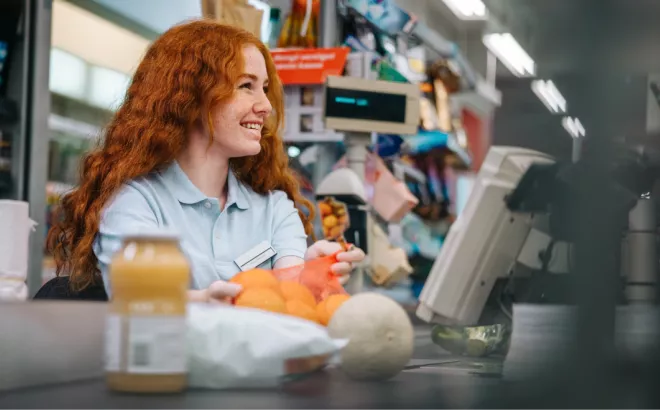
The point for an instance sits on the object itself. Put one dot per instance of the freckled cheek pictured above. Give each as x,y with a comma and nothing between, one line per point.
225,118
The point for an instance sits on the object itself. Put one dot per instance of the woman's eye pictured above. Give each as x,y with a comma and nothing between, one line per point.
246,85
266,90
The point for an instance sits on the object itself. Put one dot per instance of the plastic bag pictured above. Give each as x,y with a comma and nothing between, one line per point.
234,347
315,275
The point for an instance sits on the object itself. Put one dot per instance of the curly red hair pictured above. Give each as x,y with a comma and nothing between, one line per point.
191,67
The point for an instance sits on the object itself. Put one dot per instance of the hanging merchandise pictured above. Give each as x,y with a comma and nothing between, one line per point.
389,196
429,114
425,141
385,15
389,145
300,28
445,82
238,13
432,194
392,199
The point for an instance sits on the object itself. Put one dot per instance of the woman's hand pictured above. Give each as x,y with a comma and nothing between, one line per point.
219,292
345,259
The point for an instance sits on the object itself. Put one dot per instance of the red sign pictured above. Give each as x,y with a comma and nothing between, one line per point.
309,65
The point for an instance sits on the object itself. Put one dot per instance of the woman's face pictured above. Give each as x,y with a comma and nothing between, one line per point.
237,124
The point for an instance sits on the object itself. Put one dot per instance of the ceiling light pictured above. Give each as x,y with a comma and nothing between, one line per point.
468,9
573,126
549,95
510,53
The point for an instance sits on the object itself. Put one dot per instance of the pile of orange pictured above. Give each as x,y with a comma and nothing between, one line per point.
262,290
334,217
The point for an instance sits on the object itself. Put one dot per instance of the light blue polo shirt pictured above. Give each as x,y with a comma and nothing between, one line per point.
211,239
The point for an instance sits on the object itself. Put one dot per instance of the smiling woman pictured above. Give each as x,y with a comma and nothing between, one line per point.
195,147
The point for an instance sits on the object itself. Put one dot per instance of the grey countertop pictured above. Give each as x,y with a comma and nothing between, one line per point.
432,379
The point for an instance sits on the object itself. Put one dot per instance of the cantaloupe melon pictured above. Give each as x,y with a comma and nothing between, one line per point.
380,336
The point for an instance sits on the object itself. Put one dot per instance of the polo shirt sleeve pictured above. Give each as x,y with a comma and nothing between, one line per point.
288,236
128,212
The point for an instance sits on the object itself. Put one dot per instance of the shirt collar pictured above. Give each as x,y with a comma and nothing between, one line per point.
187,193
237,193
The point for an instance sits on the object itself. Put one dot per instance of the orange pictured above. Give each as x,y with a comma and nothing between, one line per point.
261,298
325,209
330,221
302,310
295,291
256,278
329,306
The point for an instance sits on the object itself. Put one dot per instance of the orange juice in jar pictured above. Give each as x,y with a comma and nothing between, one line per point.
145,348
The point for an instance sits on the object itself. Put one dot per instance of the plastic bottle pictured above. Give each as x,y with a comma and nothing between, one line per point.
146,324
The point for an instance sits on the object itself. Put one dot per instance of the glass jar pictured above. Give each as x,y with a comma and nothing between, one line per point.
146,324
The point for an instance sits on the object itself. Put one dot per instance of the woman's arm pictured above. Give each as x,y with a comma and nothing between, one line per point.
130,212
288,237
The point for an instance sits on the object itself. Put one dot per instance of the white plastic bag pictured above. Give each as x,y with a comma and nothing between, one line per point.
234,347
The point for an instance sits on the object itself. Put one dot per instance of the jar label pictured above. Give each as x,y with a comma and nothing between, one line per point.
113,343
146,344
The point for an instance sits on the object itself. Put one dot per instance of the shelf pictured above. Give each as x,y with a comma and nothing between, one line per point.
72,127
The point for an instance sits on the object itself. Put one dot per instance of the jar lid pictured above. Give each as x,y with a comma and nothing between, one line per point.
153,233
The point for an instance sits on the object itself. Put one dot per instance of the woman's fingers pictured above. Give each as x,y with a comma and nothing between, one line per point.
221,291
353,256
341,268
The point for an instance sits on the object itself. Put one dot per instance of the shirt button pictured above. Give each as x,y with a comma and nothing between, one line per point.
207,204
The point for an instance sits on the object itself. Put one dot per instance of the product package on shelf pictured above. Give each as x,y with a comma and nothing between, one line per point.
237,13
300,29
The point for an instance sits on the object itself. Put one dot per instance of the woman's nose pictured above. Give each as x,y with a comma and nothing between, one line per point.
263,104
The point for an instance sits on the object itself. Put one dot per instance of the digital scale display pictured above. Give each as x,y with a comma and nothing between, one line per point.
365,105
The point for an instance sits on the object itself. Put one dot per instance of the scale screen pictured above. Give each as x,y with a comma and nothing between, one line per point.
353,104
365,105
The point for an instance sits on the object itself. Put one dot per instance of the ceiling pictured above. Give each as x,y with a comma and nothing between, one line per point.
598,52
157,15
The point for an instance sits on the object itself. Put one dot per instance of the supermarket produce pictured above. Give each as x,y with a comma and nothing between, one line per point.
380,336
256,278
261,298
328,306
294,290
334,218
264,290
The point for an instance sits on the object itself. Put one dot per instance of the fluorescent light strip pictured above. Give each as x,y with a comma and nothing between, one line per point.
468,9
511,54
549,96
574,127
